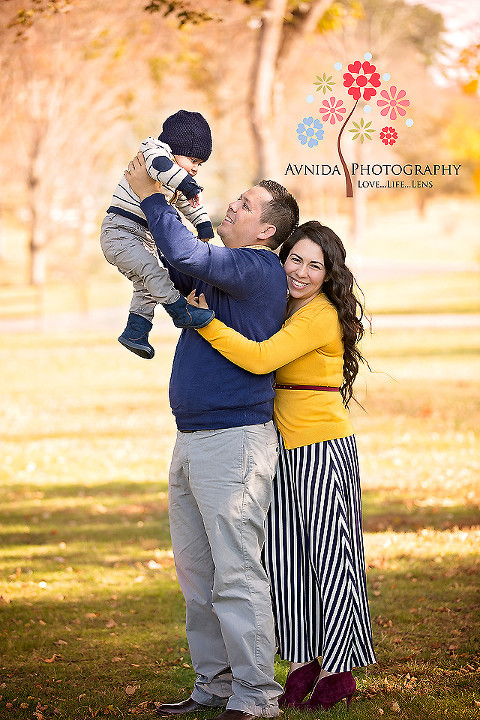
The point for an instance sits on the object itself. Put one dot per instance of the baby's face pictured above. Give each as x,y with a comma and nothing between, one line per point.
190,164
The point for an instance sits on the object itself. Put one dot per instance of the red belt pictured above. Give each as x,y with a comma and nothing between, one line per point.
306,387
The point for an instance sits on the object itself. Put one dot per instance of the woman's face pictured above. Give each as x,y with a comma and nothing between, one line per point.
305,269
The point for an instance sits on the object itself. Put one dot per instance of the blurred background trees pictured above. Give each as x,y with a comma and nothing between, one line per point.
84,82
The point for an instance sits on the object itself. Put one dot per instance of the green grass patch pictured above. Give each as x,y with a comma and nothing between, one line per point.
91,615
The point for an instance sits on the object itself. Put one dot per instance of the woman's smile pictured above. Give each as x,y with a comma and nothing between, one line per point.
305,270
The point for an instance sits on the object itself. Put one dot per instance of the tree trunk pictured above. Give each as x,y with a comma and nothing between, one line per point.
263,80
278,49
37,271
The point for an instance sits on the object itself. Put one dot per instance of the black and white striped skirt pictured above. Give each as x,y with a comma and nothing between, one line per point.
315,559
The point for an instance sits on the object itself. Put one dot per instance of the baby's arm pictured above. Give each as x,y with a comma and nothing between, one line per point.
161,167
198,216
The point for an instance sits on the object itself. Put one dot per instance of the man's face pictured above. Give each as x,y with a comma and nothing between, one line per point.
242,225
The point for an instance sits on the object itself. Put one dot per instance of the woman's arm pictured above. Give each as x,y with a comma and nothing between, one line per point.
305,332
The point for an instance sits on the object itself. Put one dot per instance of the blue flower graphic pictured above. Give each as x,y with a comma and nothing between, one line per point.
310,131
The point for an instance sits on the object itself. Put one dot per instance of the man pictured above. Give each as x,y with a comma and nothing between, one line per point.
226,449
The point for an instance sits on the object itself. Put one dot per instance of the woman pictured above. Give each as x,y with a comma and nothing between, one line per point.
314,551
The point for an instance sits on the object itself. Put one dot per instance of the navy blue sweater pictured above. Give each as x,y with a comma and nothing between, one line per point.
247,289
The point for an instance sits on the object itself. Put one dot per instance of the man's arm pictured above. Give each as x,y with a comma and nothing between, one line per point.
229,270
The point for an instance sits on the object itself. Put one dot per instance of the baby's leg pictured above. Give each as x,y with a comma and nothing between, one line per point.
137,259
130,247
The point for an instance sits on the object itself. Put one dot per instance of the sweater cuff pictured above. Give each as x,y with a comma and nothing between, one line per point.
156,200
189,187
205,230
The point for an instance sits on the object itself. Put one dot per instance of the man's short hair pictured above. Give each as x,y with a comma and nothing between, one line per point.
281,211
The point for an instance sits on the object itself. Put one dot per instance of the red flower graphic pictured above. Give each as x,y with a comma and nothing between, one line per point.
388,135
365,74
332,110
393,103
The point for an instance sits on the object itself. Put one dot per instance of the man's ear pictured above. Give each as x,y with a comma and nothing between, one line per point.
268,232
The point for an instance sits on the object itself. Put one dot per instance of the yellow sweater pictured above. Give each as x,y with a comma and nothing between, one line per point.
308,350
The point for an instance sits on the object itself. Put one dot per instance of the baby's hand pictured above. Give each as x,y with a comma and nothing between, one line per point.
195,201
199,301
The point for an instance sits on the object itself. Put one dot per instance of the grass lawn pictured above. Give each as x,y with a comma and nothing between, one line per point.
91,616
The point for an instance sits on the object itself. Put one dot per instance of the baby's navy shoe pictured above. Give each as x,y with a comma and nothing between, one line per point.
135,336
185,315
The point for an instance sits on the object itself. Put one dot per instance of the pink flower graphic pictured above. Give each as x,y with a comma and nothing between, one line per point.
332,110
394,103
388,135
365,74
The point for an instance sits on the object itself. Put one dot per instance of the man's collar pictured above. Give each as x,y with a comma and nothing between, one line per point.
258,247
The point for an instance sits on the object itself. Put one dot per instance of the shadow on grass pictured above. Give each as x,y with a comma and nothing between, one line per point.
115,488
92,650
381,513
114,512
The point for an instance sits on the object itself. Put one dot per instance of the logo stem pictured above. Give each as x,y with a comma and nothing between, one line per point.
348,179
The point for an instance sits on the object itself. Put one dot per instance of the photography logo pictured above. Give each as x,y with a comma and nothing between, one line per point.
378,98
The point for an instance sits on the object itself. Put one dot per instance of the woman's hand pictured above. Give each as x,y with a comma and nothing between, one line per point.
199,301
139,179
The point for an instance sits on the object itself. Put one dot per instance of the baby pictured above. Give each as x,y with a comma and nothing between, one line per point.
184,144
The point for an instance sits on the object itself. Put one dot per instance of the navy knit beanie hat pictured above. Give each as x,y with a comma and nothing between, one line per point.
187,133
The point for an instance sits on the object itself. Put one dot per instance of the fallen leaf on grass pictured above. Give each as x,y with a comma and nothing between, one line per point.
60,642
117,659
396,707
131,689
53,658
111,624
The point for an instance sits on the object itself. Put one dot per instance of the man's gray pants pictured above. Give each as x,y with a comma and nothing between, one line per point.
131,248
219,493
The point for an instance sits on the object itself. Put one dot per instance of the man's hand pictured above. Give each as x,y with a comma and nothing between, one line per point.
139,180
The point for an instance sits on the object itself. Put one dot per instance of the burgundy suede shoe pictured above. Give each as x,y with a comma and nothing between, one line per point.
299,683
330,690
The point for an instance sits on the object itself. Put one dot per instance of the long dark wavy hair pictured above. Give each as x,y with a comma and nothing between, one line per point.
338,286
